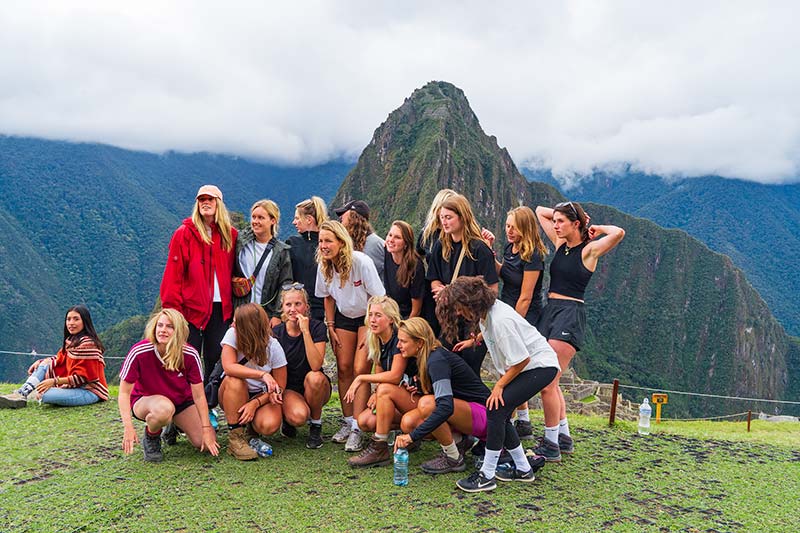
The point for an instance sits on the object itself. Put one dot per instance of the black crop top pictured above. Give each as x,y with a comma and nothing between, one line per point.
568,275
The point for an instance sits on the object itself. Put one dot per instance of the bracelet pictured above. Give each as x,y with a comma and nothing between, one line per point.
258,401
329,323
204,427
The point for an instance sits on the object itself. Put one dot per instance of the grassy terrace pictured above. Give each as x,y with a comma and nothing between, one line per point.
63,470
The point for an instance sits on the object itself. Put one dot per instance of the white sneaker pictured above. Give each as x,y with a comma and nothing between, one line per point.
354,442
342,435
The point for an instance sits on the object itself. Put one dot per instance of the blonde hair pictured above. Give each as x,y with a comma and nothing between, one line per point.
530,240
419,330
432,224
173,353
272,210
470,229
343,262
303,294
221,218
252,332
391,310
313,207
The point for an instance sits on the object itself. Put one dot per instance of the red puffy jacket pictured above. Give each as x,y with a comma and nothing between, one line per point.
188,282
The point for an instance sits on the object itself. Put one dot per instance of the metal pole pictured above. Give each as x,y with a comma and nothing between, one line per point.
613,414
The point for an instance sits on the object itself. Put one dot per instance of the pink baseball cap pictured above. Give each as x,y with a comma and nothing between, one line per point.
209,190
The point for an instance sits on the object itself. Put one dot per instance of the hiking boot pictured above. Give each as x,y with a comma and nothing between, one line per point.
512,474
524,429
476,482
170,434
414,446
151,446
464,445
288,430
536,461
565,444
375,454
314,436
343,434
13,400
548,449
442,464
354,441
238,446
250,433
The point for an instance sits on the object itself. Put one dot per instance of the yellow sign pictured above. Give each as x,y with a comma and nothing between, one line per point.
659,398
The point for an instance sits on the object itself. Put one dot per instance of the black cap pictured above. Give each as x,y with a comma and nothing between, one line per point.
354,205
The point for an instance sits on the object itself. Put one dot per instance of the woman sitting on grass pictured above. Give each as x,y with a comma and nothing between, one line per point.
308,388
75,376
455,399
383,317
161,379
255,376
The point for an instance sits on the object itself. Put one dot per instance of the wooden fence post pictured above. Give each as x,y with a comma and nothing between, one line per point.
749,417
613,414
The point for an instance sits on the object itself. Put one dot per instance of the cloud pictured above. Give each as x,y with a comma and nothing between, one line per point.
678,88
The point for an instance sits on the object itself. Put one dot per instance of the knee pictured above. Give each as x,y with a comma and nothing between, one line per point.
366,420
315,380
385,390
296,415
161,413
235,385
410,421
266,426
426,405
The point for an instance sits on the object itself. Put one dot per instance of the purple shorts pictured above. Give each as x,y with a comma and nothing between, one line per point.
478,420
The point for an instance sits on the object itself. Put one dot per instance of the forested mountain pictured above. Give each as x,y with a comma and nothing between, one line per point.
664,310
754,224
91,223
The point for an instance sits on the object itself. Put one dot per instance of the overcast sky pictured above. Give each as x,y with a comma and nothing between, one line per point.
676,88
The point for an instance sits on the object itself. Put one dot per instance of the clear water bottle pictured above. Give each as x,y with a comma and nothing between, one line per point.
644,417
401,467
262,448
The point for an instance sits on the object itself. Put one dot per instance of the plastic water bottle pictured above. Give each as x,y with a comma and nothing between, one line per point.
644,417
262,448
401,467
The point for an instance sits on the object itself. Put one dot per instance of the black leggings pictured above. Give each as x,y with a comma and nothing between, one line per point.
206,341
500,432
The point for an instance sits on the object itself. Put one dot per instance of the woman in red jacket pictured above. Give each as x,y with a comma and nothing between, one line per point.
75,376
197,277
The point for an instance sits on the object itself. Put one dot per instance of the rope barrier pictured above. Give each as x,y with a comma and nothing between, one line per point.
709,395
37,354
703,418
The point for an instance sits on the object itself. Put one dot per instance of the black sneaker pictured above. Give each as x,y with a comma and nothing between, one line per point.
170,434
512,474
314,436
476,483
288,430
479,449
464,445
565,444
151,446
549,450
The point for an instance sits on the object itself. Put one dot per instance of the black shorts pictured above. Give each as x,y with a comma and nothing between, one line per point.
178,409
346,323
300,387
563,320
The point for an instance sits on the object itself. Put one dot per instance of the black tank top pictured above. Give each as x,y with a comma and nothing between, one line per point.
568,275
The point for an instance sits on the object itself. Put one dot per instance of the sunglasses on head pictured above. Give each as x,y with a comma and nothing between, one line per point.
296,286
565,204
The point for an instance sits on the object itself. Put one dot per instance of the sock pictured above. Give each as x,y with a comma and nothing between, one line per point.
349,420
150,433
317,422
563,427
520,460
381,436
231,427
551,434
490,463
523,414
451,451
354,425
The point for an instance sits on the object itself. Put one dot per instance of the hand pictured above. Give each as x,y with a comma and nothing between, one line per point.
34,366
402,441
274,321
593,232
248,411
302,323
351,391
276,397
45,385
488,236
436,290
210,441
335,344
373,400
461,345
129,438
495,399
412,389
270,382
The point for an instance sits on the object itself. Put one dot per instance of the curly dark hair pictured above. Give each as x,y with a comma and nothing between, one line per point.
359,228
468,298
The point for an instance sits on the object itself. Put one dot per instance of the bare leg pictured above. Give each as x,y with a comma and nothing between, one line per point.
232,396
267,419
553,403
156,411
317,392
345,357
393,401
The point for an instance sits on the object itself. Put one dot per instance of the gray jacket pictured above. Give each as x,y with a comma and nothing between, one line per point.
278,273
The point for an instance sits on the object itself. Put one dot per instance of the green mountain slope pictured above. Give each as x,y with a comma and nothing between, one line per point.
664,310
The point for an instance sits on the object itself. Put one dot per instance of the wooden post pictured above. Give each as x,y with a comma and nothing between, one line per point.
613,414
749,417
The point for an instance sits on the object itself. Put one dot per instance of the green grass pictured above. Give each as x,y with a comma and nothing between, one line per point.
63,469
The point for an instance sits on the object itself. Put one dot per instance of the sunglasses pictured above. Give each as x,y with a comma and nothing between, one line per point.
565,204
202,199
288,286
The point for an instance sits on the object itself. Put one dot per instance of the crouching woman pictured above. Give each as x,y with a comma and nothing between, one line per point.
161,381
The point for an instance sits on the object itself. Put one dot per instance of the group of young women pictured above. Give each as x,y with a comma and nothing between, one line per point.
409,332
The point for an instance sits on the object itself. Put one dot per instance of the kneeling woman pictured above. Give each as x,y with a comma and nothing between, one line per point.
75,376
383,317
161,381
455,399
521,356
255,376
308,388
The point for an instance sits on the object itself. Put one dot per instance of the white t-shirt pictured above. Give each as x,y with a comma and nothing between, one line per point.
249,256
510,339
276,358
363,283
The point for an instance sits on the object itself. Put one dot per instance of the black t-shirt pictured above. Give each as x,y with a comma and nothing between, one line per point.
296,361
389,351
482,265
450,378
511,273
304,266
403,295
